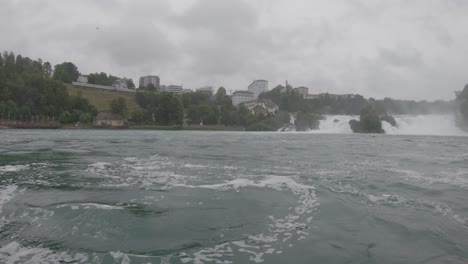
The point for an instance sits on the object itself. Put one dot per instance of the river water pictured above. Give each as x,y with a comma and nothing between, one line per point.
103,196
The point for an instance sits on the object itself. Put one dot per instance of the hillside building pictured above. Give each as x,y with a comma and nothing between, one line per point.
145,81
207,90
239,97
120,84
257,87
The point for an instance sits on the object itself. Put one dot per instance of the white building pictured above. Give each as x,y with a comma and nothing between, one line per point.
120,83
82,79
176,89
262,106
207,90
257,87
303,91
145,81
239,97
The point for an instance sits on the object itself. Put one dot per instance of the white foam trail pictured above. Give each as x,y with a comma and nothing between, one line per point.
6,194
92,205
274,182
280,230
13,168
15,253
99,166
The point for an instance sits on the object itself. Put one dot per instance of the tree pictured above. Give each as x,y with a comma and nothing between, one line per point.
119,106
27,90
220,94
86,118
170,110
130,84
47,69
66,118
200,114
66,72
102,79
137,116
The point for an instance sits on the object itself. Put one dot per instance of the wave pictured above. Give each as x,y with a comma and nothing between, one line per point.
436,125
287,228
16,253
6,194
13,168
76,206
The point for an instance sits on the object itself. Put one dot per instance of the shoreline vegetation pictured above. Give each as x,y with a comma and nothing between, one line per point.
35,94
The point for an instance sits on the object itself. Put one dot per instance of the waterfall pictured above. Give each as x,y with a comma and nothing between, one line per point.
443,125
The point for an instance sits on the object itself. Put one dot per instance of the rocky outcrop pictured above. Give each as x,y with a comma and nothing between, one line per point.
390,119
306,121
369,122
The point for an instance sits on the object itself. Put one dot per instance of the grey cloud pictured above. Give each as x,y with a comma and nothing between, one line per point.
131,45
403,57
223,38
405,49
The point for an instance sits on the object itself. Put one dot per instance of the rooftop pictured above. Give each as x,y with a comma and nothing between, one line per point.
243,92
257,81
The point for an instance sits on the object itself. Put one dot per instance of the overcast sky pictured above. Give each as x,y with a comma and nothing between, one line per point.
408,49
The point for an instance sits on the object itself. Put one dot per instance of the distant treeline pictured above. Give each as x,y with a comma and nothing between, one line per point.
107,80
29,88
351,104
193,108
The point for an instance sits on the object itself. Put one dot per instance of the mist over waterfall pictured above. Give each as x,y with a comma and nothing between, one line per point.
443,125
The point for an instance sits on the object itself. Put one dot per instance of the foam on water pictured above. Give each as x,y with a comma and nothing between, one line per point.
159,171
440,125
6,194
335,124
15,253
98,166
13,168
280,229
395,200
457,177
76,206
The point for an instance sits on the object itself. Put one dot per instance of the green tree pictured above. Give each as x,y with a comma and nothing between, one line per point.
130,84
119,106
220,94
66,118
102,79
86,118
47,69
200,114
137,116
170,110
27,90
66,72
